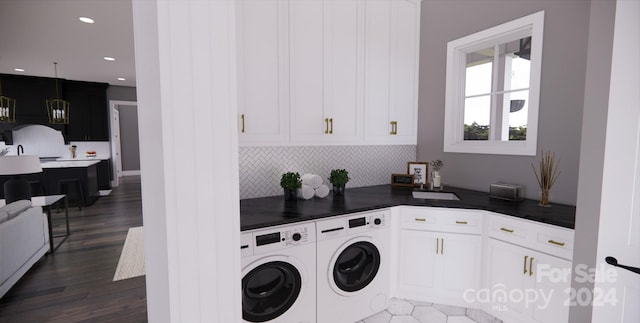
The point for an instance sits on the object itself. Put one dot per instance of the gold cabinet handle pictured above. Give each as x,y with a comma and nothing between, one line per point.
326,125
242,117
392,127
461,222
442,246
506,230
437,245
331,125
420,219
561,244
395,127
525,263
531,266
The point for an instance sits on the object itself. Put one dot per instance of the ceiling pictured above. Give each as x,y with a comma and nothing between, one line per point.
36,33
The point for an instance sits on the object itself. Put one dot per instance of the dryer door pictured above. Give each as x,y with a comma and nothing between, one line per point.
356,266
269,290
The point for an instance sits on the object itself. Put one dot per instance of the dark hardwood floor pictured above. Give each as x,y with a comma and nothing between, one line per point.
75,283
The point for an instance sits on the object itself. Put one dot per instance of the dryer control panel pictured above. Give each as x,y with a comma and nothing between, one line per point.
283,237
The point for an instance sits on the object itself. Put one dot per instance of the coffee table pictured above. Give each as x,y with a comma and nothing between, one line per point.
47,202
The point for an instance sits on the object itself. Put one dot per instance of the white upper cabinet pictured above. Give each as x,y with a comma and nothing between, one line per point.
325,83
328,71
392,44
263,103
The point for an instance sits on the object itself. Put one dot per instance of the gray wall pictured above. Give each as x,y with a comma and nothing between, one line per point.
594,124
129,144
121,93
561,92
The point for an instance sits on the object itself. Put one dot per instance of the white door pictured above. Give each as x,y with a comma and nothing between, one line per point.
507,269
619,230
262,71
551,280
417,268
460,263
117,148
308,121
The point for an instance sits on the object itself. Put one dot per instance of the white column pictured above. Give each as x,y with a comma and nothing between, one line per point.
186,88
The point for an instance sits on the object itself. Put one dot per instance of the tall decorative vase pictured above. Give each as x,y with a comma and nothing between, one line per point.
544,198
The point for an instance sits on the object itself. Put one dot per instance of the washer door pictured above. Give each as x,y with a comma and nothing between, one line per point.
269,290
356,266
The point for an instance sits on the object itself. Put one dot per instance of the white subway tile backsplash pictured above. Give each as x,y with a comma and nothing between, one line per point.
261,167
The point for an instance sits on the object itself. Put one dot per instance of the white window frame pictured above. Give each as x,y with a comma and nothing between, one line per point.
531,25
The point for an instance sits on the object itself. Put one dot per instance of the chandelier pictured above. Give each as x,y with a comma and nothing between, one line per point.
57,109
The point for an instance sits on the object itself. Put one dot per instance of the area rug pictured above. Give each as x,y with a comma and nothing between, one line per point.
131,263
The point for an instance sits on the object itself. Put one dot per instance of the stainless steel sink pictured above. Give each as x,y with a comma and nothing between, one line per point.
435,195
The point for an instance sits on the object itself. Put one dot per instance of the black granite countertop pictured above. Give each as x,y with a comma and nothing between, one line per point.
270,211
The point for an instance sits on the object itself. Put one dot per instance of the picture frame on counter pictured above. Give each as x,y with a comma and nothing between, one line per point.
402,180
420,172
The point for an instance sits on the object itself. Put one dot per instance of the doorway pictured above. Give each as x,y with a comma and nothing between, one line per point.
125,149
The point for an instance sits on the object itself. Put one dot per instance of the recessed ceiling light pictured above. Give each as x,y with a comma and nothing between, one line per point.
110,59
86,20
121,79
19,69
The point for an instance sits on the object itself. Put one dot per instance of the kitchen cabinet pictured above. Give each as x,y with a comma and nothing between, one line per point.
439,254
513,270
327,71
392,38
325,55
88,112
262,56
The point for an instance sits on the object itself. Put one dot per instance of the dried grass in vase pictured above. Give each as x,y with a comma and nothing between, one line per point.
547,176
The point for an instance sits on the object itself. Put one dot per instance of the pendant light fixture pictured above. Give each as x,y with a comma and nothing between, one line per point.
7,108
57,108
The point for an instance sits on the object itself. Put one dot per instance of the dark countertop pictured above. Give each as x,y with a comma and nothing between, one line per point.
270,211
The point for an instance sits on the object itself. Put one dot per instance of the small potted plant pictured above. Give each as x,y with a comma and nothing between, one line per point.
290,182
436,165
339,178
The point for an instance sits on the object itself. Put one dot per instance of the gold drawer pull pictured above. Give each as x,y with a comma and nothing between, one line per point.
561,244
525,263
531,266
461,222
420,219
506,230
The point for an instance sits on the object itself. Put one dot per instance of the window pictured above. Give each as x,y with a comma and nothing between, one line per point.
493,85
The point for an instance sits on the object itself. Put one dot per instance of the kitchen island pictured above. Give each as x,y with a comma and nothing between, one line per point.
53,172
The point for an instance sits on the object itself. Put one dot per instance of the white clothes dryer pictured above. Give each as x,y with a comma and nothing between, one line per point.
353,266
279,274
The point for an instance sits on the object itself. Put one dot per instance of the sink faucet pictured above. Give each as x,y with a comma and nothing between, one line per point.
20,149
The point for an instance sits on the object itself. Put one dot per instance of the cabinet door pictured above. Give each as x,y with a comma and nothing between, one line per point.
306,64
343,77
552,278
417,261
377,60
507,269
404,70
461,263
262,71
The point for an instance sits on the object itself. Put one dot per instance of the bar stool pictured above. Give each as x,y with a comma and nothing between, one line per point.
37,189
63,187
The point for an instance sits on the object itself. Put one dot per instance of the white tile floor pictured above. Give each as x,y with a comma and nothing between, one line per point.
408,311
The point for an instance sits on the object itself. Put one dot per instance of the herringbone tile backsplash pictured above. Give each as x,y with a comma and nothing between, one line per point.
261,167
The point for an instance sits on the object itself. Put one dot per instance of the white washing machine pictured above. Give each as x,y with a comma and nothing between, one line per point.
353,266
279,274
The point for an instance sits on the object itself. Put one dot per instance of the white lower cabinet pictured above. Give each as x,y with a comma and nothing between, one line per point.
438,266
525,285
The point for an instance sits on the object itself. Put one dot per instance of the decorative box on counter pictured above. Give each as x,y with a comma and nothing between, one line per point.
509,192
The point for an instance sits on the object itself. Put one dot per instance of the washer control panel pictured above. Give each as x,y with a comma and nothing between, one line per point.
283,237
370,221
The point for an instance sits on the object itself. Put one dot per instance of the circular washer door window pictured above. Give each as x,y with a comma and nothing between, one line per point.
356,266
269,290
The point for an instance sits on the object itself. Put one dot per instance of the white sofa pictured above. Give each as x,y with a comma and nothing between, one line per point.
24,239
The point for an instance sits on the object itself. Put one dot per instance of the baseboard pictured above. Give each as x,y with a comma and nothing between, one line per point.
130,172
